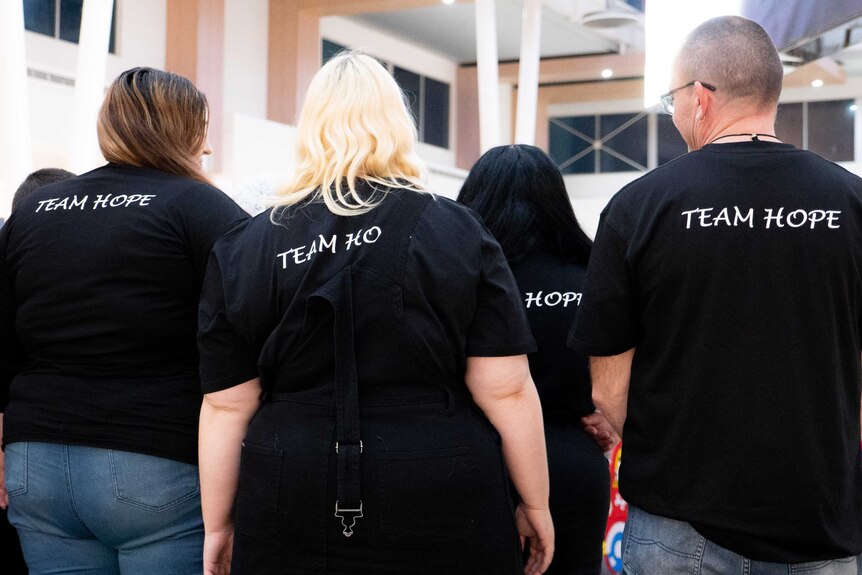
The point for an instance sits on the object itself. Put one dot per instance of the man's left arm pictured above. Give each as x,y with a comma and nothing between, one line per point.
611,375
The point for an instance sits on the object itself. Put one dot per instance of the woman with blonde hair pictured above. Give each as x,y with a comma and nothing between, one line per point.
100,276
357,342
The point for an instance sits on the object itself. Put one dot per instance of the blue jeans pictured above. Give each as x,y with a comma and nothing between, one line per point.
654,545
90,510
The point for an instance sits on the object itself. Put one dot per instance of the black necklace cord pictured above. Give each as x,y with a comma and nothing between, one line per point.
754,137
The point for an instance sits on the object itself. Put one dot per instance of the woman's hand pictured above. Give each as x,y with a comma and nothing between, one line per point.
600,429
536,526
218,550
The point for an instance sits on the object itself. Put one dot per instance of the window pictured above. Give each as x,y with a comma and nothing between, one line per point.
670,143
599,144
330,49
825,128
411,85
434,129
61,19
427,99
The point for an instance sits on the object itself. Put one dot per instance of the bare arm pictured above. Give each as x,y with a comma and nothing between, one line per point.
610,377
224,420
504,391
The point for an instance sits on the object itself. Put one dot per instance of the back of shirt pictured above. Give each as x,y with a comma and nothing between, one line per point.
551,290
105,272
431,288
736,272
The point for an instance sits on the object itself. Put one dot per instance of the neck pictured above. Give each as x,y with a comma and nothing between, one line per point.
750,124
748,136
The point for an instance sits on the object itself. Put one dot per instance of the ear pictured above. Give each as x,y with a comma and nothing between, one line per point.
705,99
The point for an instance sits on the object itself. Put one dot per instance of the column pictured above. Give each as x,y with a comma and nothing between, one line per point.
195,49
93,43
294,57
528,77
15,152
486,59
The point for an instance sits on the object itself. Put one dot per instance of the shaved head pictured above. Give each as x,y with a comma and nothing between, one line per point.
737,56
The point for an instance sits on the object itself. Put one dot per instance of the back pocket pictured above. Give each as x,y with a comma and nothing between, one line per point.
425,496
256,512
152,483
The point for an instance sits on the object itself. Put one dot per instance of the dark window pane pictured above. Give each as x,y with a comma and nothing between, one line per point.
436,118
586,125
411,85
583,165
330,49
630,141
830,129
70,19
670,143
112,43
788,124
39,16
564,146
610,163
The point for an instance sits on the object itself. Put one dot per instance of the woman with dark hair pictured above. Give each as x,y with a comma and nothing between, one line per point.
100,277
520,194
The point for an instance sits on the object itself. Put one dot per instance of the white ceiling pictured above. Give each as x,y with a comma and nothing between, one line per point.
450,30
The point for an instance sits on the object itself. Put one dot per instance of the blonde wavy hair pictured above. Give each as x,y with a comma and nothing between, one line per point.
354,125
154,119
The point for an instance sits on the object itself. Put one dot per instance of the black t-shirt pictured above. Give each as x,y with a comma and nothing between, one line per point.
455,298
551,291
100,278
736,272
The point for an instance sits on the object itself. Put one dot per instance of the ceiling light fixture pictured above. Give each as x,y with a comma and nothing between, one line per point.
817,83
607,73
448,1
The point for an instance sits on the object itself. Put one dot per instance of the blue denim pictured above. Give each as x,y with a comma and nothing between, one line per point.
90,510
654,545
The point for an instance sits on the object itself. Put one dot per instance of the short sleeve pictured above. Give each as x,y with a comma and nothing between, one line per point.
499,327
207,213
606,323
226,359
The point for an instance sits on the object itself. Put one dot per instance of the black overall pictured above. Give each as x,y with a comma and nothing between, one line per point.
350,476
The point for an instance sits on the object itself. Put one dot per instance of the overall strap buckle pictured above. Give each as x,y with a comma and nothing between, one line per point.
350,515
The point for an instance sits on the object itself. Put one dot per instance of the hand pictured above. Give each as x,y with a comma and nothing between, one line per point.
536,525
218,550
600,429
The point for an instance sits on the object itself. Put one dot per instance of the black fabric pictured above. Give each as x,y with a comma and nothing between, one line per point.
736,272
100,277
433,485
551,290
456,296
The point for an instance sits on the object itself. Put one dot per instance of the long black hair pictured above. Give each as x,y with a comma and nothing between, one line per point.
520,194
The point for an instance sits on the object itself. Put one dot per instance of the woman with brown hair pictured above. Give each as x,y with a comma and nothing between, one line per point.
99,283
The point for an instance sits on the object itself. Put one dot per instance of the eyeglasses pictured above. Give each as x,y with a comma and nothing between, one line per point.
667,99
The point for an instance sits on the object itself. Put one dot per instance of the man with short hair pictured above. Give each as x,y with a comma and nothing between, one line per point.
723,311
36,180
